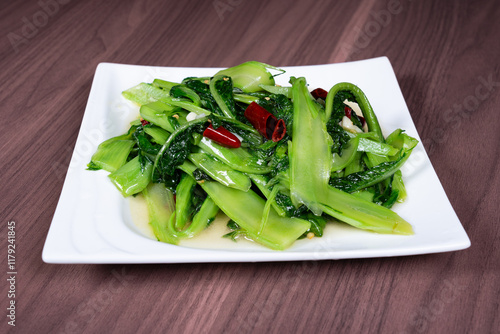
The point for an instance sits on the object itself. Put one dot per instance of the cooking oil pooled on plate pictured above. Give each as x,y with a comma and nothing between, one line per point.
210,238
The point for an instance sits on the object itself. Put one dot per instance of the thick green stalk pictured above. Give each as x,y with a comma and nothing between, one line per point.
161,210
375,147
400,140
370,177
201,220
220,172
184,104
246,209
111,154
348,155
161,206
161,114
261,182
398,184
183,201
287,91
145,93
180,91
244,98
175,149
363,214
236,158
267,209
158,134
355,166
165,85
132,178
364,104
226,105
310,160
248,76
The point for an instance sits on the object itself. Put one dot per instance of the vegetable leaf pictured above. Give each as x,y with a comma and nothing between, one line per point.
360,180
280,106
203,91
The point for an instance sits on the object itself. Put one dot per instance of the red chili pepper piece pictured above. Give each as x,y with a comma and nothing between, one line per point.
265,122
279,131
144,122
259,117
362,119
222,136
348,112
319,93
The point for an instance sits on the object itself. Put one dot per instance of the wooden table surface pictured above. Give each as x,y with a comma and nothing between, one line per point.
446,57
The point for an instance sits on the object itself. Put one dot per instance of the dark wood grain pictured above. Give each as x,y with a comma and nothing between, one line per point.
441,52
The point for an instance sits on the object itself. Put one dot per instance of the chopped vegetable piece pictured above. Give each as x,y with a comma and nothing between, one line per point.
287,91
246,209
144,93
362,214
236,158
310,159
364,104
348,155
158,135
261,182
161,206
177,147
183,201
221,88
248,76
162,115
360,180
201,220
245,98
111,154
375,147
220,171
131,178
180,91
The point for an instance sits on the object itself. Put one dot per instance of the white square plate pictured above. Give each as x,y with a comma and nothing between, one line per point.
92,222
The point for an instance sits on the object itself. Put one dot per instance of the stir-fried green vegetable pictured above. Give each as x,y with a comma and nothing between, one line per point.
278,161
310,159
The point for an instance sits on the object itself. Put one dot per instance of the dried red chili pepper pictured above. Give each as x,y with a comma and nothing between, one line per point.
144,122
363,121
266,123
222,136
319,93
348,112
279,131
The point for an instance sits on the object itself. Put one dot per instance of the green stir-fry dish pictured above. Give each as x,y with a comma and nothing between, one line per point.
280,162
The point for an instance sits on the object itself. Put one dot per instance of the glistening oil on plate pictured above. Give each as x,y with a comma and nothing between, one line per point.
210,238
